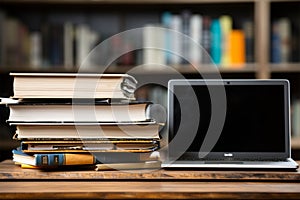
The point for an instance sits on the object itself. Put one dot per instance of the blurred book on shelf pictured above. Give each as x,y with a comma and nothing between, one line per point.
65,45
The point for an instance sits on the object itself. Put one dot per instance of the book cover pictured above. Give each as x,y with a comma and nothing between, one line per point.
248,28
79,112
69,38
130,130
176,45
216,41
62,159
186,19
206,40
85,146
275,44
35,50
166,20
53,159
153,43
196,36
72,85
284,30
237,43
226,27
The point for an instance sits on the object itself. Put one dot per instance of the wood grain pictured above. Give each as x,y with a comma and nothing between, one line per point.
147,190
9,171
17,183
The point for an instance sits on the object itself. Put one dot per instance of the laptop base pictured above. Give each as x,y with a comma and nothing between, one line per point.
289,164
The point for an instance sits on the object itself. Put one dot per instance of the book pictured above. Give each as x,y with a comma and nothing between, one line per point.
36,160
53,159
35,50
196,35
275,43
186,19
176,37
237,45
216,41
166,20
226,27
140,130
72,85
129,166
69,45
74,112
153,43
284,30
206,40
86,146
248,28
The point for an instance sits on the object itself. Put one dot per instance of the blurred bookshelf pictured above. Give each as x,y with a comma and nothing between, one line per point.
28,21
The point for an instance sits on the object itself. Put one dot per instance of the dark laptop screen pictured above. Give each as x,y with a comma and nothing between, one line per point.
255,117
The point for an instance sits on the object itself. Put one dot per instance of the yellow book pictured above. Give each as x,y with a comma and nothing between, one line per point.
226,27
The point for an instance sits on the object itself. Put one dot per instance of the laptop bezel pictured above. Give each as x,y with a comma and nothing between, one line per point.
235,155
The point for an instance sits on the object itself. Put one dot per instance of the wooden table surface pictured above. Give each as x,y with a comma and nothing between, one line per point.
17,183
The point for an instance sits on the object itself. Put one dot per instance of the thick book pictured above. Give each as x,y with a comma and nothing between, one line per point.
73,85
61,159
77,146
140,130
53,159
79,112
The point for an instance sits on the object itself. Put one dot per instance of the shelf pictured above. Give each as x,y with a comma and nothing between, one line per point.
183,69
124,1
295,143
285,67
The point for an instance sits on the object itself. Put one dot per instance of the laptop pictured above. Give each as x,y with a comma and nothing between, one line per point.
229,124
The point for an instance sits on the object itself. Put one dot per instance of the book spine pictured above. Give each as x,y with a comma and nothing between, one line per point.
166,22
285,37
68,45
153,41
237,43
63,159
206,40
196,32
216,41
176,45
275,44
248,29
36,50
186,16
226,26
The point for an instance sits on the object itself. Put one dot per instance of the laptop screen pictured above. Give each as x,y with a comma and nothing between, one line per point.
255,123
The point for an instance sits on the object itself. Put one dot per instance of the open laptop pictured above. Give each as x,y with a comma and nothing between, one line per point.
229,124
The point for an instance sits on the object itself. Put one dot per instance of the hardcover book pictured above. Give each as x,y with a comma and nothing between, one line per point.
141,130
86,146
72,85
68,112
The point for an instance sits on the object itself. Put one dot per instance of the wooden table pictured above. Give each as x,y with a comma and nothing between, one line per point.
17,183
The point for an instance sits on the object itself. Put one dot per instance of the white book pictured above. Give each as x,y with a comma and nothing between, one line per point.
153,43
177,37
196,35
35,49
68,45
82,43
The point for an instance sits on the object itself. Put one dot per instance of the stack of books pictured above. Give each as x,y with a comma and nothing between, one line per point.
82,119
